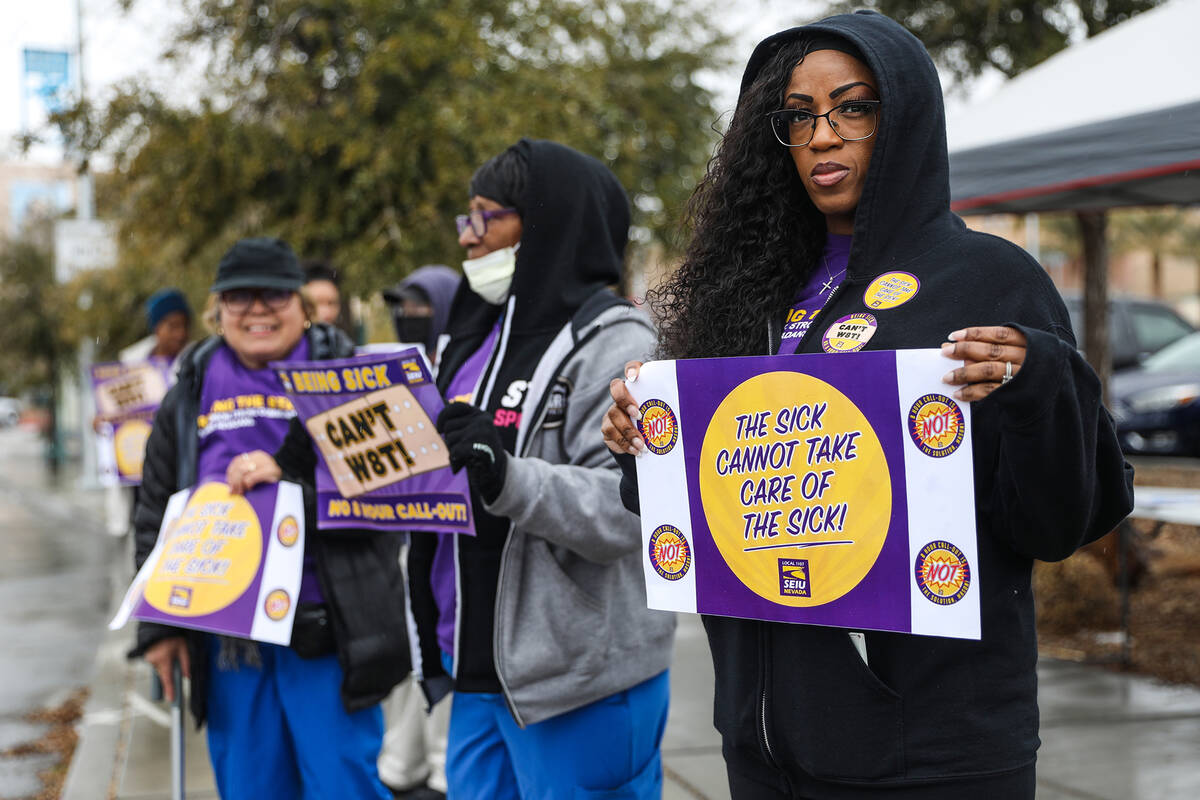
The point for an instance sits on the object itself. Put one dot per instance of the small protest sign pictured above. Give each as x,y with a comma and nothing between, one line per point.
383,465
824,489
126,396
224,563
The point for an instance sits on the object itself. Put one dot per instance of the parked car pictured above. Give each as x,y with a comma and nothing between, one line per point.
1157,404
1136,328
10,411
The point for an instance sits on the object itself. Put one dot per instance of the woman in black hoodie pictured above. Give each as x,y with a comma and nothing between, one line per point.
832,175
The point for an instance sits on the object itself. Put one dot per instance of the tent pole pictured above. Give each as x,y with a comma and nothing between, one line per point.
1093,227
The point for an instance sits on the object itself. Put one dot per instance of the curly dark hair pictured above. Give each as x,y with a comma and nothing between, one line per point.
757,235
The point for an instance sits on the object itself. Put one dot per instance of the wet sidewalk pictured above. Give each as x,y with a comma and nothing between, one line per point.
1105,736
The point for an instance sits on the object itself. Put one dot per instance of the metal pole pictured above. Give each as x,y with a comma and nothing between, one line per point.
1033,244
85,209
177,754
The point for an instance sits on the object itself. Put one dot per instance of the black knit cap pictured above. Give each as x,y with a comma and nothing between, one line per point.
259,263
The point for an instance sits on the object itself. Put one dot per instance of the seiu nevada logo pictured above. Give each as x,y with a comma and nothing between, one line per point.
793,577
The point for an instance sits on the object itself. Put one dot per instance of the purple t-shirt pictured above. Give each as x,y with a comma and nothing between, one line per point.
830,271
442,570
244,409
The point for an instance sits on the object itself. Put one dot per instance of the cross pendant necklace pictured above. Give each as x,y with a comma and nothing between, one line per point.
825,285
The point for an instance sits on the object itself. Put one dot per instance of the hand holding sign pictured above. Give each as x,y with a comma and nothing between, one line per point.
474,443
993,356
250,469
620,421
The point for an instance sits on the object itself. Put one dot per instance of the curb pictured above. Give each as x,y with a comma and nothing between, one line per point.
99,756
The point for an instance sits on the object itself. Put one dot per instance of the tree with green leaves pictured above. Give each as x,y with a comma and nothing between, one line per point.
350,128
968,36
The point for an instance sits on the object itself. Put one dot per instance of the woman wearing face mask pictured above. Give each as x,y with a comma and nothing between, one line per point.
832,174
286,722
539,623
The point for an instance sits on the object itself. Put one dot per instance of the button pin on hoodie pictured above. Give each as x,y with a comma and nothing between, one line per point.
850,333
891,289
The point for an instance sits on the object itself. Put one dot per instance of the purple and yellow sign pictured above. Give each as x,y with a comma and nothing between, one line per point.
824,489
126,396
224,563
383,465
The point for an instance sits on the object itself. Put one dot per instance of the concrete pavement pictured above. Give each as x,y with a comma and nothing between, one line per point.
1106,736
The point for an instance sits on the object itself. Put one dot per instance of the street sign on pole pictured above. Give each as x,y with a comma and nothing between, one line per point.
83,244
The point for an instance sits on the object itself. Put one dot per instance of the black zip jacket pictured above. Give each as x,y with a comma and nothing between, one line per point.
359,574
930,717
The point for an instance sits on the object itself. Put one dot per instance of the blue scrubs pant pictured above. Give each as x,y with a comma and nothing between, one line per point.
608,749
281,731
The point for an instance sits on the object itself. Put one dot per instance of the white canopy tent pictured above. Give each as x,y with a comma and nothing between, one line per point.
1111,121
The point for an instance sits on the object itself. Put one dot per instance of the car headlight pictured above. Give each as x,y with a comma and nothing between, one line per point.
1164,398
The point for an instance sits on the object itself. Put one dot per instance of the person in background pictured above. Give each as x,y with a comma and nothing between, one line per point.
420,306
285,722
169,319
539,622
413,759
323,287
169,322
832,174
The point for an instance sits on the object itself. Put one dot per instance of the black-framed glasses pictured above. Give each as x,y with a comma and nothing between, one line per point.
853,121
477,220
239,301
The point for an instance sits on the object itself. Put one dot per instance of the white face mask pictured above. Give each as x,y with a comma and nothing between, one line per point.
490,276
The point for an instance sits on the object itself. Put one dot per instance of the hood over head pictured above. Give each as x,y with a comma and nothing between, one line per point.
438,283
905,204
575,225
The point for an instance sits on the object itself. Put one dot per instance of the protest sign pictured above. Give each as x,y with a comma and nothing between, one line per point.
824,489
383,465
126,395
224,563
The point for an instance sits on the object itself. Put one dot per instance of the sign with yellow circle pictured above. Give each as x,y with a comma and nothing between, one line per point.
210,555
809,477
129,440
806,489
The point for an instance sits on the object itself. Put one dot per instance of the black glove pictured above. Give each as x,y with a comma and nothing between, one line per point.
474,443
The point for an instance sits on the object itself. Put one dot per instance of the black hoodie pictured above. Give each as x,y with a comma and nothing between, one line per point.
931,717
574,229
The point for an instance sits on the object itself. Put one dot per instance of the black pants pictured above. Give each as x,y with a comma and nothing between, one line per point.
1018,785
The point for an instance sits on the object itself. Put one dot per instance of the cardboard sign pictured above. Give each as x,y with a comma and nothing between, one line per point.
824,489
126,396
382,464
224,563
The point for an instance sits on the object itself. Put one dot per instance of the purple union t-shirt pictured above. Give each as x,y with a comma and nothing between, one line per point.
830,271
244,409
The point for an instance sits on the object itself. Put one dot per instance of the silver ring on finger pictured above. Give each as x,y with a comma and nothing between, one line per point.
1008,376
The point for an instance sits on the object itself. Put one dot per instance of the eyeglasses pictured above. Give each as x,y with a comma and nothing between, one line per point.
477,220
239,301
852,121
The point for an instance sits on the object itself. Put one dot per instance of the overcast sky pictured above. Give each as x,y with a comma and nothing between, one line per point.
119,45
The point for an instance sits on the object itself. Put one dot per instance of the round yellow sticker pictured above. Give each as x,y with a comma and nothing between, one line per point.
797,495
891,289
210,557
129,440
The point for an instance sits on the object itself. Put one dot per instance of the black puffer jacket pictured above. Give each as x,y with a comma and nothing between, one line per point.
359,573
